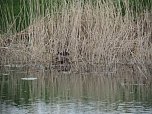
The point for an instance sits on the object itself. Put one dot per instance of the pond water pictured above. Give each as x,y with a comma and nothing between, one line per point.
31,91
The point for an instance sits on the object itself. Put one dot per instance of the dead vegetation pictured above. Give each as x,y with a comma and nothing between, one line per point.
92,35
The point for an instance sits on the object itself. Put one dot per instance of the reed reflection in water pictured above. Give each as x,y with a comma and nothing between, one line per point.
72,93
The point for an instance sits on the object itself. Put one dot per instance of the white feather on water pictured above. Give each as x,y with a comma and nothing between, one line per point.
28,78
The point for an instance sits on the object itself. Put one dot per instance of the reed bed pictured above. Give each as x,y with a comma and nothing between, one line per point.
93,35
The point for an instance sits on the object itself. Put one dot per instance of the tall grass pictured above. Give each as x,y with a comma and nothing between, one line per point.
92,33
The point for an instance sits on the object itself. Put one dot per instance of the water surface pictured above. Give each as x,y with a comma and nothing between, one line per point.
53,92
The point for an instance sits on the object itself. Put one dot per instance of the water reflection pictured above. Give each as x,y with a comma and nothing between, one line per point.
68,93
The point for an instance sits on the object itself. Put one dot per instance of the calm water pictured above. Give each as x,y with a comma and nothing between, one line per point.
52,92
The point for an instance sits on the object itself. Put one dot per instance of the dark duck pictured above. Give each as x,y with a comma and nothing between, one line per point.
63,61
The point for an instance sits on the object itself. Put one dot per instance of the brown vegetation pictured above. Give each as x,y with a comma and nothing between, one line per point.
93,35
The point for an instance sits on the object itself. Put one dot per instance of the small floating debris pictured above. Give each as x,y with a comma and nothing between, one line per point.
28,78
64,72
133,84
7,65
14,65
5,74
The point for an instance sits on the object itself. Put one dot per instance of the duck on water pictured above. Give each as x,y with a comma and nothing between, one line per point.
62,61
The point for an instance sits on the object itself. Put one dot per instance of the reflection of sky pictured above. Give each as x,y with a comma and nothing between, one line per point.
75,107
